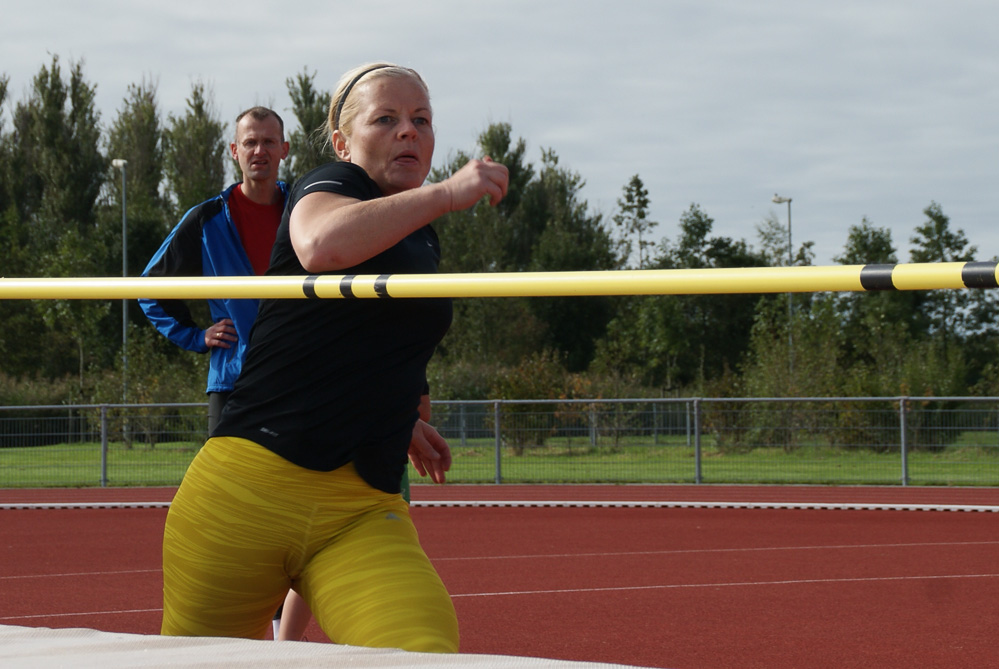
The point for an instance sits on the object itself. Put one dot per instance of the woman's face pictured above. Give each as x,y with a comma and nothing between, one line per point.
392,136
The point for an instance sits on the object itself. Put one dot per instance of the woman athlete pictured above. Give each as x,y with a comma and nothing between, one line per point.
298,485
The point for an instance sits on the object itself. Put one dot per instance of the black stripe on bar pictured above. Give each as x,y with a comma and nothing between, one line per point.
381,285
309,287
345,288
877,277
979,275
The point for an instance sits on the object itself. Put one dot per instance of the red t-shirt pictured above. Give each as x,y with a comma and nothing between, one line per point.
257,226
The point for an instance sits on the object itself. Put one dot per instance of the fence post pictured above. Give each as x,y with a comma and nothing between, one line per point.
686,411
697,441
655,423
104,446
903,441
593,426
499,442
462,424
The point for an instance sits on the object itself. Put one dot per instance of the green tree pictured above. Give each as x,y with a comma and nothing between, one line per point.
490,331
633,221
777,252
137,136
13,235
307,142
484,238
818,350
541,225
54,152
56,133
671,341
6,181
870,320
713,331
79,319
571,239
947,312
961,318
935,241
19,323
638,348
497,143
772,235
867,244
195,151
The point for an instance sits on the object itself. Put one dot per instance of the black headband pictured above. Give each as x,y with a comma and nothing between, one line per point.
346,92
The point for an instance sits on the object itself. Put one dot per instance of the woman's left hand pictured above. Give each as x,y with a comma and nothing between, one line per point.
429,452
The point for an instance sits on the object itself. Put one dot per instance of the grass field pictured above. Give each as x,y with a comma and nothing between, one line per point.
966,463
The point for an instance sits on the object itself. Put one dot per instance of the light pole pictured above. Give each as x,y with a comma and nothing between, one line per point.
121,163
777,199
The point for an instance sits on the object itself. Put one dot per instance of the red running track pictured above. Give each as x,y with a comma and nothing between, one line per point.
658,587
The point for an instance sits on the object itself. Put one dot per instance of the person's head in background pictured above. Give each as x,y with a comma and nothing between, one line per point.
259,146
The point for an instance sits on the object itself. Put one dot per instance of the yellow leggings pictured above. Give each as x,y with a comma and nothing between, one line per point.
246,525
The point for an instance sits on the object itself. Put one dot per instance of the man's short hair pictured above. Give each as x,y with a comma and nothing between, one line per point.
261,113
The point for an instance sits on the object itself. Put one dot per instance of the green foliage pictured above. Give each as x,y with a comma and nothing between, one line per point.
675,342
80,319
6,178
873,320
539,376
158,372
136,136
500,331
195,151
570,239
50,222
633,220
868,244
308,141
462,378
56,143
945,311
541,225
774,242
22,390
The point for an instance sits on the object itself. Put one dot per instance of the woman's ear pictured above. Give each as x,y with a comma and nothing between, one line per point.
340,146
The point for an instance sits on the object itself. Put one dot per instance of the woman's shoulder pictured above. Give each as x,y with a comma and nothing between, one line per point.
337,177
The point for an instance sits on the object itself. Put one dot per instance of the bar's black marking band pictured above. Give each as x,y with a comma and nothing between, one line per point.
309,287
877,277
979,275
345,288
381,285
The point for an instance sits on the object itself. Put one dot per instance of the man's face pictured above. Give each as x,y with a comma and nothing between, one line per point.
259,148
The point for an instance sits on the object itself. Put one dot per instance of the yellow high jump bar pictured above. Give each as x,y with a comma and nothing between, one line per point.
810,279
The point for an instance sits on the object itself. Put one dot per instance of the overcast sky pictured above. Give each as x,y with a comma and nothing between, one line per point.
852,108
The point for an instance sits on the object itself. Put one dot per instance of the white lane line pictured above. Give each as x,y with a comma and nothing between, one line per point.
808,581
688,551
81,613
117,572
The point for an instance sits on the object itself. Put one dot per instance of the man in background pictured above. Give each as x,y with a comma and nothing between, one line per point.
230,234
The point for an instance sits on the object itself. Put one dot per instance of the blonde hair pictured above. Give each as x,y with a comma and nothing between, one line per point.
344,107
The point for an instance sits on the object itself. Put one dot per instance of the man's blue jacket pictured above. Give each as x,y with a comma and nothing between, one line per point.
205,243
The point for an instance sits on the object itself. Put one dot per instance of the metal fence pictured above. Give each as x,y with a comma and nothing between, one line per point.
814,440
